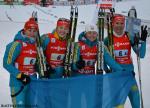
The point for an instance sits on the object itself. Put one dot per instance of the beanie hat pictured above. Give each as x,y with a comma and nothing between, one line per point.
31,23
91,28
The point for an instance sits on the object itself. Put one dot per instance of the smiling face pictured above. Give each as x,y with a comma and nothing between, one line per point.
30,33
118,25
91,35
62,28
62,31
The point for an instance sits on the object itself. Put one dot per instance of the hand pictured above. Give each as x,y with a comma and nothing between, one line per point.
133,73
143,33
48,72
81,63
25,79
49,69
108,70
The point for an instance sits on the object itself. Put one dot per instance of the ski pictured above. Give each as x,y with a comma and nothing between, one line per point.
110,31
41,58
71,41
100,45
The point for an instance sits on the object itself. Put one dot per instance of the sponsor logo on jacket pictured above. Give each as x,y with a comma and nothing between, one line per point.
30,52
118,44
58,48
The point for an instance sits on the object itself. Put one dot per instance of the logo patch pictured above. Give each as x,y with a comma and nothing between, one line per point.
24,44
83,47
53,40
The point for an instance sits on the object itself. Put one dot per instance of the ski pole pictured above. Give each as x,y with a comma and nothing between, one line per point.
139,71
41,57
67,58
112,10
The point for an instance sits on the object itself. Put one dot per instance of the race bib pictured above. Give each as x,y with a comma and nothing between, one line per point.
57,56
121,53
29,61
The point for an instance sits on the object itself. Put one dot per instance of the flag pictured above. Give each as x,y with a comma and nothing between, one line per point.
91,91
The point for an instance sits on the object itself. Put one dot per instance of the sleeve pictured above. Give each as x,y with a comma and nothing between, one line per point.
11,53
45,41
108,60
141,49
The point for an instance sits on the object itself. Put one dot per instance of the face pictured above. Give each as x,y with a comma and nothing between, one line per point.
30,33
118,27
62,31
91,35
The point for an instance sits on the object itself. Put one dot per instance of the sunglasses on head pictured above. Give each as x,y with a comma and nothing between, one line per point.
64,19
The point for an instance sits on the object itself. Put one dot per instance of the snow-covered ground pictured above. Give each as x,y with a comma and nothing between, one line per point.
12,19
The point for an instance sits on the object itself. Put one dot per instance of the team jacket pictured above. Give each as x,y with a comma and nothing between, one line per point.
55,50
20,56
88,51
122,50
25,62
89,55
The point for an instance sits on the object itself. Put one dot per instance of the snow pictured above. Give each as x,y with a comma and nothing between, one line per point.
12,20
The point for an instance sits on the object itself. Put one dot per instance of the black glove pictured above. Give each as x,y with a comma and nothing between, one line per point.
143,33
46,74
133,73
50,70
136,39
108,70
25,79
81,63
